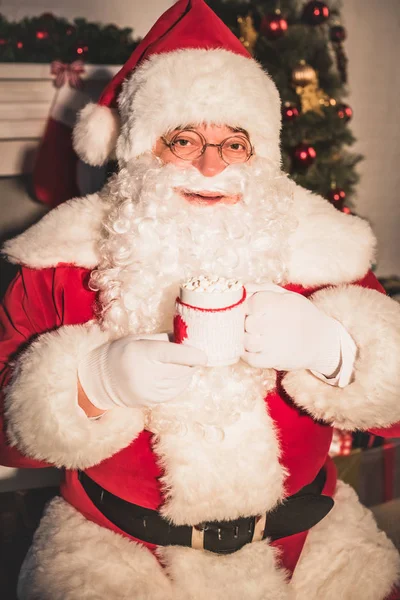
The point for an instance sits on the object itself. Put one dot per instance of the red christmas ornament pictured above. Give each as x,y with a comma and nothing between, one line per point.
289,112
337,33
315,12
20,45
82,49
304,155
42,34
346,210
344,111
273,25
337,197
3,42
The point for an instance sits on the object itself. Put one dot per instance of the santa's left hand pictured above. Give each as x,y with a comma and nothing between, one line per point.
285,331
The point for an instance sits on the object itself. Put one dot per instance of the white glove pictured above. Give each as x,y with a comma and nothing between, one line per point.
130,372
285,331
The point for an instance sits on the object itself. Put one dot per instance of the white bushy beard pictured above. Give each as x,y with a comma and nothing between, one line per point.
153,239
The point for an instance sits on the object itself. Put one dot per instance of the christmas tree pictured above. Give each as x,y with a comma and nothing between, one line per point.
300,44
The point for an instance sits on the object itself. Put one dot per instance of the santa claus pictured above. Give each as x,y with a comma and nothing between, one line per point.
184,481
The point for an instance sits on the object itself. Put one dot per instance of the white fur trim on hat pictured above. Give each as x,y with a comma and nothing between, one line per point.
42,412
190,87
372,399
95,134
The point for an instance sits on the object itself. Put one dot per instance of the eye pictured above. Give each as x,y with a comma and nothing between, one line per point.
237,146
186,144
182,142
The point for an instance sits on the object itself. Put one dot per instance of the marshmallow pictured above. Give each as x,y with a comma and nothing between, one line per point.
211,292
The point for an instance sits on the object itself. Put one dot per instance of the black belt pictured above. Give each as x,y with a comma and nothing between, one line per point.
295,514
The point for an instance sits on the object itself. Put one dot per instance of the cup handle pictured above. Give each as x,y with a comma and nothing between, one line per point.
253,288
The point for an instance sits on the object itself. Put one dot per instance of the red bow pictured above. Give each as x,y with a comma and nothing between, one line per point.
67,72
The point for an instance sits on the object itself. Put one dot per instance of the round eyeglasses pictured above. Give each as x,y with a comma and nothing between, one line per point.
190,145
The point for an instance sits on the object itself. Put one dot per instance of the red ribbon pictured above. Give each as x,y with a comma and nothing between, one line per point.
65,72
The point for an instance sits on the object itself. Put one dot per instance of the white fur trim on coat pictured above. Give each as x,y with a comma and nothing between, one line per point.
346,556
372,399
67,234
251,573
328,247
72,558
224,472
42,412
190,87
95,134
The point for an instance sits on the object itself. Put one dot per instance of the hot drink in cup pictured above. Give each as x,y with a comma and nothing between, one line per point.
210,315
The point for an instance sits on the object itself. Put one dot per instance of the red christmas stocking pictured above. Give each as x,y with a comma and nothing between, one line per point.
54,174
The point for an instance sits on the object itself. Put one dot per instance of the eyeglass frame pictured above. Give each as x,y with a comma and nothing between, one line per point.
169,144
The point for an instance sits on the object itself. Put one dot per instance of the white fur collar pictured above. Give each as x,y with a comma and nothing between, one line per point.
67,234
328,247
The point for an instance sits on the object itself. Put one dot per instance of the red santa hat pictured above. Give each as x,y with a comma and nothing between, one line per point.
189,69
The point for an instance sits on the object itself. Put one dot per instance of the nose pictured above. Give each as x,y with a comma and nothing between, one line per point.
210,163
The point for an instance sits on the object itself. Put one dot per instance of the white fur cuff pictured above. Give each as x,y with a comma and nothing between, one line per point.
372,399
348,352
44,419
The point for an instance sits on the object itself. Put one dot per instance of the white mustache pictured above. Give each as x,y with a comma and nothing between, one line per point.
232,180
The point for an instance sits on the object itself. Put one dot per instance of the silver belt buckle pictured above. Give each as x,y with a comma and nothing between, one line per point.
259,527
198,537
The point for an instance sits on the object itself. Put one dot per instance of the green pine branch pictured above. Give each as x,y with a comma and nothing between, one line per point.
46,38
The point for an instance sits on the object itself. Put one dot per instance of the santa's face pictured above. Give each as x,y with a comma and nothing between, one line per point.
209,149
225,212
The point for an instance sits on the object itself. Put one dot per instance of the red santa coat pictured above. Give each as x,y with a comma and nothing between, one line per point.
48,299
42,300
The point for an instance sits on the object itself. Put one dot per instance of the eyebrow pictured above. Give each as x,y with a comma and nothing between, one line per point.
193,126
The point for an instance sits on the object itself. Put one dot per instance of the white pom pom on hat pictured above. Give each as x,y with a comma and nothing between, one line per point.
95,134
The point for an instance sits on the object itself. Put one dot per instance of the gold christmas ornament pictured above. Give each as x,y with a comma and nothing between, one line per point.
303,74
248,33
305,80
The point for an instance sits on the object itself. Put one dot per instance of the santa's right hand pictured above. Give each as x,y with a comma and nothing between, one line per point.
137,372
